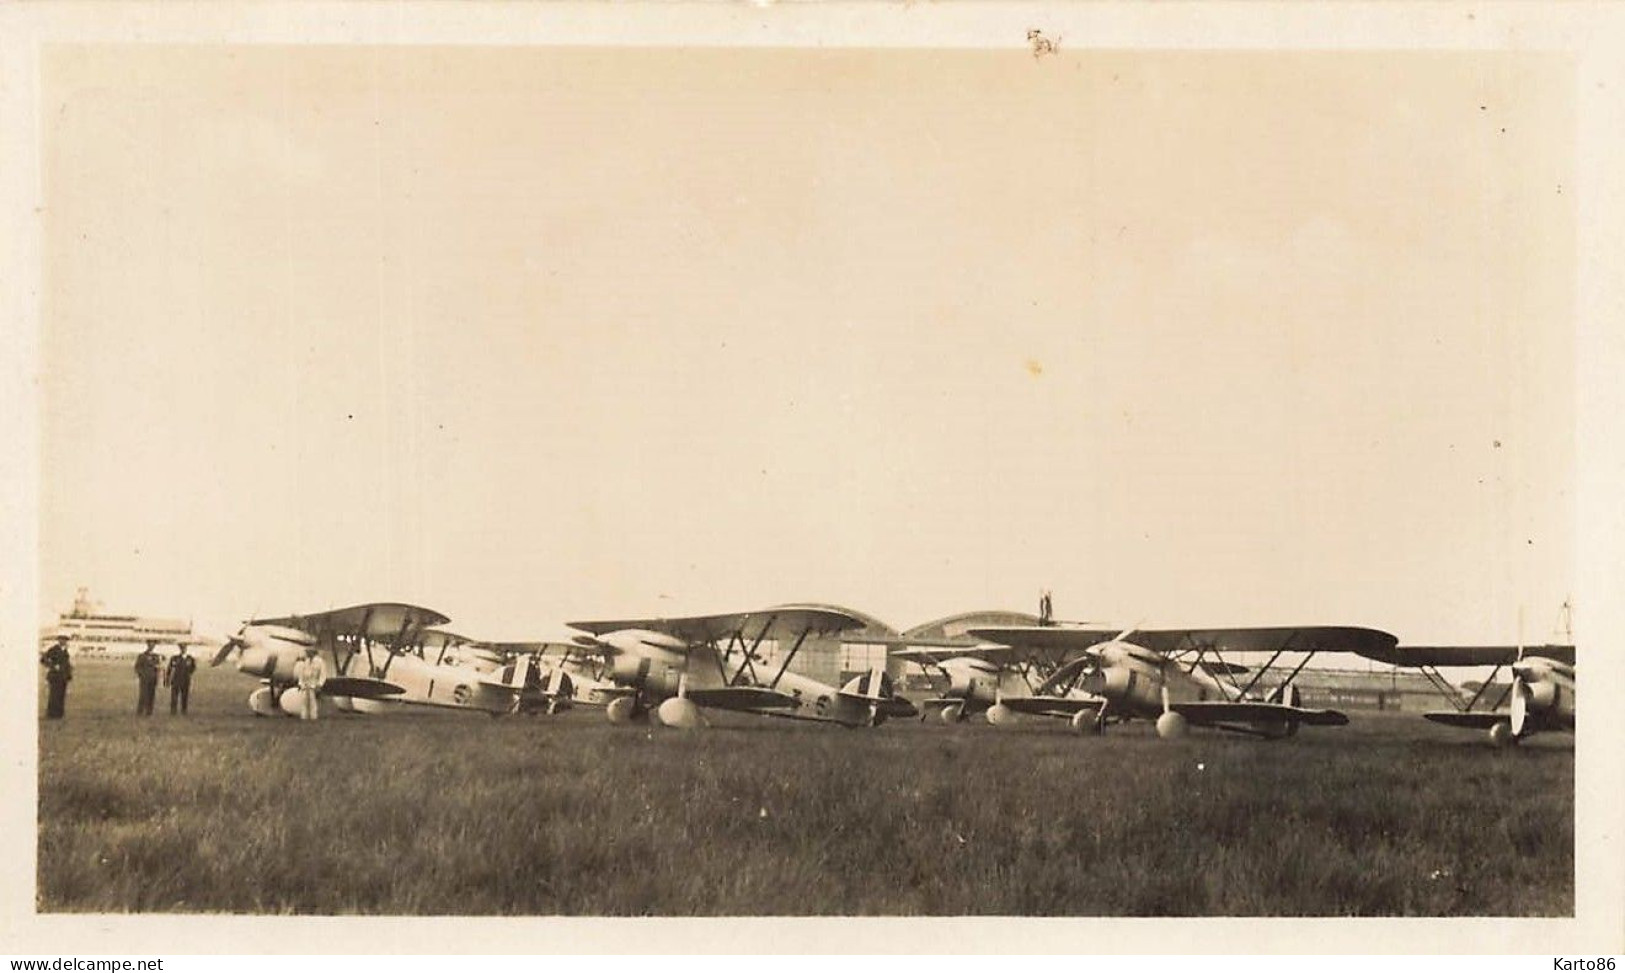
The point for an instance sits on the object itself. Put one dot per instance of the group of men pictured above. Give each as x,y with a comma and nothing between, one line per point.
177,675
310,673
149,669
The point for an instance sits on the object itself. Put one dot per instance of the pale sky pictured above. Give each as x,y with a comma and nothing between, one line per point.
528,335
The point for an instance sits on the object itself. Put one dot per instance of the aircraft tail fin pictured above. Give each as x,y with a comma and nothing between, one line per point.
872,686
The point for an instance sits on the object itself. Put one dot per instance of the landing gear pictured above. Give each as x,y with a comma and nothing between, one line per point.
263,702
624,709
679,712
1171,725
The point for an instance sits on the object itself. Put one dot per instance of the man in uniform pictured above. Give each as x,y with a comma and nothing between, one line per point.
146,677
310,672
58,673
178,677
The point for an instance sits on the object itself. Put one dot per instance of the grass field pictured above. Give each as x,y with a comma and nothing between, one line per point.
452,814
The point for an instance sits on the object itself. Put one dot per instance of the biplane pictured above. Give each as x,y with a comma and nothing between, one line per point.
1180,677
997,681
679,667
1540,698
380,655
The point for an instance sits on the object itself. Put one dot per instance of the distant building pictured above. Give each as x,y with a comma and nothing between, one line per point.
92,631
1398,690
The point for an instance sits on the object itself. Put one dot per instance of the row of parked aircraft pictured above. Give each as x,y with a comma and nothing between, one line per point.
386,654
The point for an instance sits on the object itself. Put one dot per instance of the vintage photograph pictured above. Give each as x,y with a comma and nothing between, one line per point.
583,480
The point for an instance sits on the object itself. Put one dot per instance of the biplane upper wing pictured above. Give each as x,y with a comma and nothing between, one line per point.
1166,641
381,621
1467,655
1047,637
783,623
1300,638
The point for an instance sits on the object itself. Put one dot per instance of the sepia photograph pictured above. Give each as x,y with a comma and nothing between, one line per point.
829,472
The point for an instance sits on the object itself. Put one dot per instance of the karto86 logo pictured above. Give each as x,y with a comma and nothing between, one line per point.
1586,965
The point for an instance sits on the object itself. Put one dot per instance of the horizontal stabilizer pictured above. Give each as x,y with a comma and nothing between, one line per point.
742,698
1249,712
360,688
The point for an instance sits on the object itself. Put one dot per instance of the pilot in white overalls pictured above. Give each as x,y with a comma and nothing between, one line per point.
311,672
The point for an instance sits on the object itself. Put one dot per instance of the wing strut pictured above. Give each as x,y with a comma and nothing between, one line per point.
749,659
1443,686
786,663
1251,683
356,645
395,646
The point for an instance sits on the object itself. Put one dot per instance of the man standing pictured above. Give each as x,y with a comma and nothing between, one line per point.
178,677
310,672
58,673
146,676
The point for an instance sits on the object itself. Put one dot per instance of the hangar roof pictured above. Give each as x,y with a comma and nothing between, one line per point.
955,626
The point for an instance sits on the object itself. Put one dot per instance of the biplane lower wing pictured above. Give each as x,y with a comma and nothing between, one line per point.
1367,642
1472,720
1213,713
1050,705
747,698
359,687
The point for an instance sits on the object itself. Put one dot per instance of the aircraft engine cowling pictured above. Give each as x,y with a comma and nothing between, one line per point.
1125,683
1540,696
656,675
271,650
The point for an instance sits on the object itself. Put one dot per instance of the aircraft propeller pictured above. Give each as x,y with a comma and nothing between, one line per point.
1520,687
235,642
